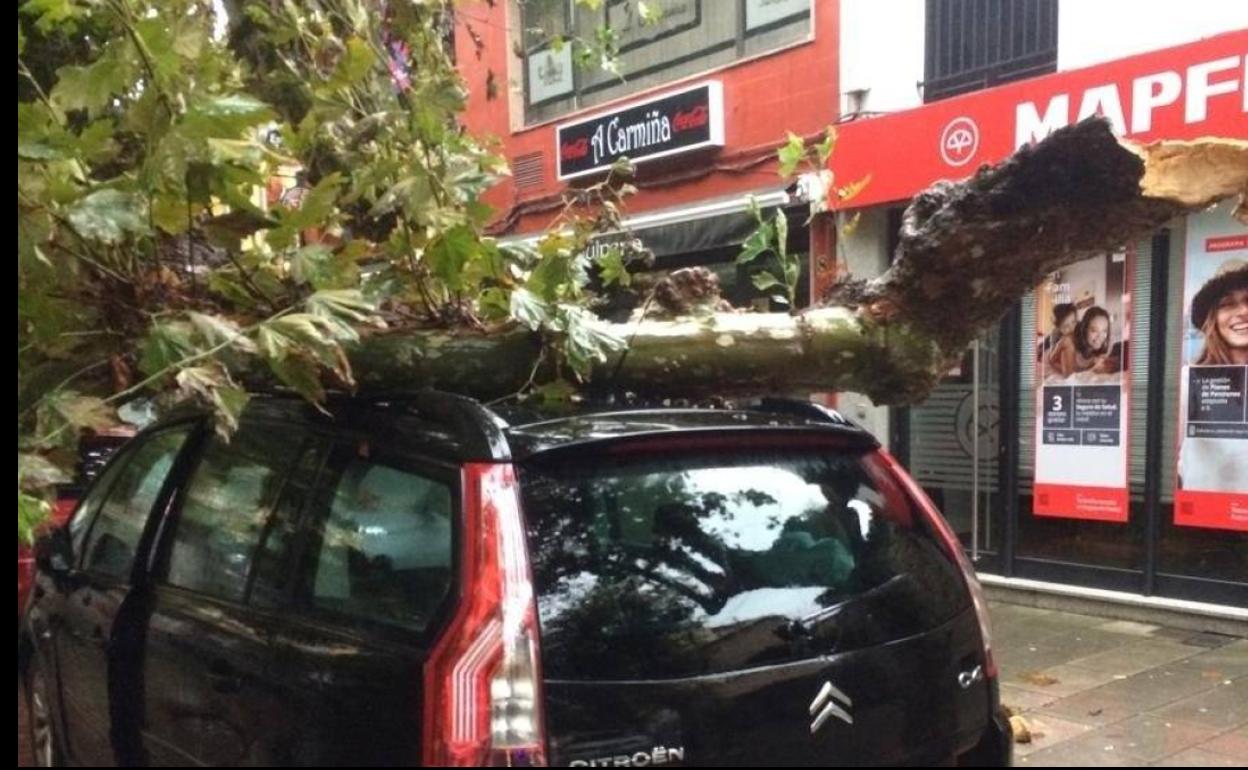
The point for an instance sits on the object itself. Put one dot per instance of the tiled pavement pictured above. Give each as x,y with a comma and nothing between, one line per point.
1116,693
1096,692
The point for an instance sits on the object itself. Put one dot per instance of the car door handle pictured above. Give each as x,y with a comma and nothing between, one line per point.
225,679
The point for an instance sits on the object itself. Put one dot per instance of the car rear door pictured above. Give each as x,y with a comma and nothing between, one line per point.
745,601
374,574
203,679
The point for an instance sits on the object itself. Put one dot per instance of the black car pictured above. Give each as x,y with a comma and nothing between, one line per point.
424,580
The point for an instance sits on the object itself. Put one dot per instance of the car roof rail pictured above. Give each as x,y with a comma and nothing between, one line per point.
474,428
482,430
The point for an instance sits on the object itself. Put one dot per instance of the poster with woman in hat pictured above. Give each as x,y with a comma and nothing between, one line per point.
1212,480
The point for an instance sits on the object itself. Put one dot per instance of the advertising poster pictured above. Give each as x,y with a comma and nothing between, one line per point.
1082,391
1212,480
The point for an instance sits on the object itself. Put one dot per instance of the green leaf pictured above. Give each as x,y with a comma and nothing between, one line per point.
84,411
555,393
272,343
304,329
348,304
230,114
650,14
169,212
449,253
189,40
230,403
313,211
165,346
764,281
157,36
93,86
494,304
611,263
49,14
792,272
300,374
31,512
757,243
109,215
791,154
560,272
851,226
211,386
825,147
782,235
309,262
587,341
217,329
355,65
529,309
96,142
35,472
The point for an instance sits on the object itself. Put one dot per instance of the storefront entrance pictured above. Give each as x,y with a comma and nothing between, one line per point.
972,445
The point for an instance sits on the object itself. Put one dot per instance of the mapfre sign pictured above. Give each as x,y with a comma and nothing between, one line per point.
1176,93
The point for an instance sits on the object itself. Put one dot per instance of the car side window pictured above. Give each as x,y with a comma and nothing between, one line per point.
90,503
272,572
114,537
380,532
229,502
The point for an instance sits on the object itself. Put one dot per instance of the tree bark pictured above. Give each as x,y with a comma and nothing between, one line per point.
968,251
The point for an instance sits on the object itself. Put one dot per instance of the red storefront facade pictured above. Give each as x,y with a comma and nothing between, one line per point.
781,77
1148,495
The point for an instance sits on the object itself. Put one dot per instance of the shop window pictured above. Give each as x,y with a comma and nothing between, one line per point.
1073,536
1203,552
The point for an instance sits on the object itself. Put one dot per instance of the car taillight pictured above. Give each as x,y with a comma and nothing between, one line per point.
483,693
953,547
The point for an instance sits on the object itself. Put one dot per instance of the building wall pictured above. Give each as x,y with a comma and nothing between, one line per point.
881,55
1095,32
792,89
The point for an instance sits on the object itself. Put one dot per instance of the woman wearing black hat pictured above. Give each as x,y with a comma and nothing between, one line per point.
1220,312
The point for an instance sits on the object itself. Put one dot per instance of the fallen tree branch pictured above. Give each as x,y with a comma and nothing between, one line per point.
968,251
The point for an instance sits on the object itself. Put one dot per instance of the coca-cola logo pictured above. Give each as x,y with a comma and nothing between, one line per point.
575,149
691,118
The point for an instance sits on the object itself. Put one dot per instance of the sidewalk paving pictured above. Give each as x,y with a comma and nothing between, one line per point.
1100,693
1105,693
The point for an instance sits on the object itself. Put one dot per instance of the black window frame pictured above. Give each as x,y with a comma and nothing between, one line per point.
140,567
162,555
300,605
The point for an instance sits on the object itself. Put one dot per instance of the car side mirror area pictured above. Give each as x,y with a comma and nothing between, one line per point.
54,554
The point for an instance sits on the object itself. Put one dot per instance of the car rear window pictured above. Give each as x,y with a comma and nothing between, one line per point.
677,563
